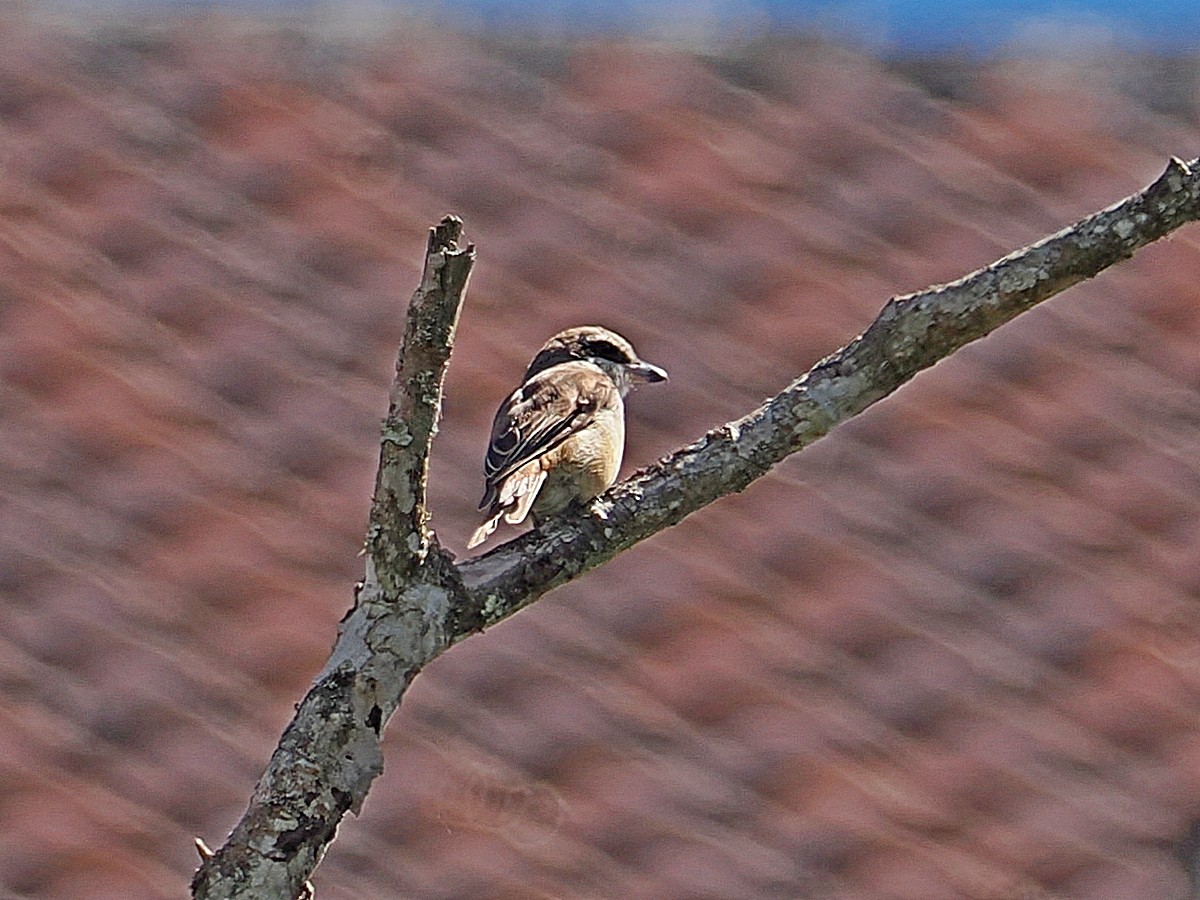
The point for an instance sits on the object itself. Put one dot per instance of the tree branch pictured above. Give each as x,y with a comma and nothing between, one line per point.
329,754
911,333
414,603
398,538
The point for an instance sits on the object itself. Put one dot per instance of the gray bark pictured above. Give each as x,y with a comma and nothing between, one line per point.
415,602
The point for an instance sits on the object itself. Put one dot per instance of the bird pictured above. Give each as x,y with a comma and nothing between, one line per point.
560,436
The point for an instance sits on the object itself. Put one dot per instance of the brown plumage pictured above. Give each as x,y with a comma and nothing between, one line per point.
560,436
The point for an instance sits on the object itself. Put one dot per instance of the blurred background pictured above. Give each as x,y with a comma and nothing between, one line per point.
951,651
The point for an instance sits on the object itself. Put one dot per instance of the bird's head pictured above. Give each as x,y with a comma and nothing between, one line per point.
599,346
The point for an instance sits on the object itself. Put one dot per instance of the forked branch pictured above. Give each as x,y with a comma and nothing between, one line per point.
329,754
414,603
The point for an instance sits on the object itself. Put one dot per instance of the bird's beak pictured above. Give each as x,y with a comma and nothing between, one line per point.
645,372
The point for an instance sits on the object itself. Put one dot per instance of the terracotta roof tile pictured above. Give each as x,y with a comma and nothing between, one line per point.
945,652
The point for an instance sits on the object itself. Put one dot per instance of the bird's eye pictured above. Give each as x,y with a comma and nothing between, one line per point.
607,350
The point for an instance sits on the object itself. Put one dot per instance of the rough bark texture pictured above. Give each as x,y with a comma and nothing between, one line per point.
414,602
911,333
399,539
329,754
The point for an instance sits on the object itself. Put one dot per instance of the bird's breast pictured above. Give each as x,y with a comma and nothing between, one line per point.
584,465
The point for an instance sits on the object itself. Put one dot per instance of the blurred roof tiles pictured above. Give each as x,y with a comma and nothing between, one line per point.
950,651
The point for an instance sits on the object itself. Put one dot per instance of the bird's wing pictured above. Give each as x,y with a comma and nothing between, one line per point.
540,415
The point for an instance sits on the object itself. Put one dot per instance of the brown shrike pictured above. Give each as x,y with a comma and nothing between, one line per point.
560,436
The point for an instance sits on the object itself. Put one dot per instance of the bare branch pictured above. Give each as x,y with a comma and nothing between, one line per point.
329,754
398,538
911,333
414,603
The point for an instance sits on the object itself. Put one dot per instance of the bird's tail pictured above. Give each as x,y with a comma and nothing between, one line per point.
519,492
481,534
513,501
